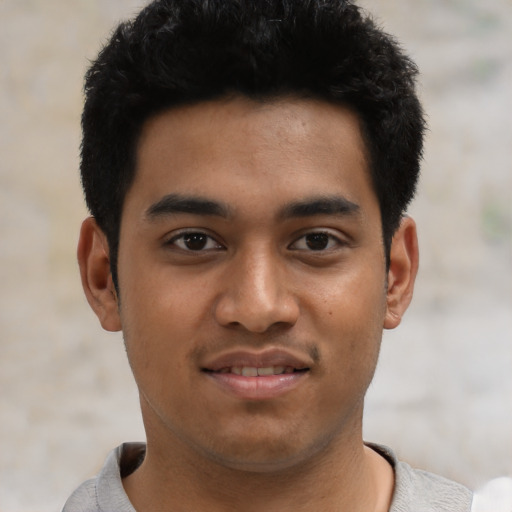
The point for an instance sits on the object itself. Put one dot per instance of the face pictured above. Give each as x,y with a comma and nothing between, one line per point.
252,280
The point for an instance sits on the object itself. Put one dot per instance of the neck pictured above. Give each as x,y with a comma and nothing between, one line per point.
344,476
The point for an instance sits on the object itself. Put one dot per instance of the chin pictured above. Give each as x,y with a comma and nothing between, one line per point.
267,455
260,464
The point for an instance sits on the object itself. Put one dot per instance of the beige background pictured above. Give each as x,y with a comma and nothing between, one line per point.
443,394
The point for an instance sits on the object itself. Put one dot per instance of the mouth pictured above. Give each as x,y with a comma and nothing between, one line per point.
253,371
258,376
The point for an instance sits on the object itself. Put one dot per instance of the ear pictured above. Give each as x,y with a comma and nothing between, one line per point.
94,263
403,267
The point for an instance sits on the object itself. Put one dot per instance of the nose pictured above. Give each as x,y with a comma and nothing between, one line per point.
256,295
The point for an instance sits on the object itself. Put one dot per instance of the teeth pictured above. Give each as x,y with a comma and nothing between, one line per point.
251,371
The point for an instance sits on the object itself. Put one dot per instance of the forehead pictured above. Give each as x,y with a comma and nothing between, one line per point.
240,147
287,119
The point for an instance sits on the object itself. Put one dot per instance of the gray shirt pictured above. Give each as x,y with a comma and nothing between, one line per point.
415,491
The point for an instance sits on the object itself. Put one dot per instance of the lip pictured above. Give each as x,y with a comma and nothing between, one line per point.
261,359
264,387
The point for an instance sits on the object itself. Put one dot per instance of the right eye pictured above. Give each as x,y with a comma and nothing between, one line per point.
195,241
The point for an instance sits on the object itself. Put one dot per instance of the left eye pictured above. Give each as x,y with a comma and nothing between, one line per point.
195,241
316,241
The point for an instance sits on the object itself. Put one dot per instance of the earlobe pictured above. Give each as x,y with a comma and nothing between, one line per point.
403,267
94,263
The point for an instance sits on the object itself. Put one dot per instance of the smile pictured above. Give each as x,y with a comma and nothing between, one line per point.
252,371
257,376
259,387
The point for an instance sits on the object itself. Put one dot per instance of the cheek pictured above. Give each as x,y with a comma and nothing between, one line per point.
165,316
350,301
349,320
156,327
159,300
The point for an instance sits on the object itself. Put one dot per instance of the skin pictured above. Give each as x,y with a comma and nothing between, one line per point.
260,278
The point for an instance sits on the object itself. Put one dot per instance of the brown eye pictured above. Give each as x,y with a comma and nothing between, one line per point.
317,241
195,242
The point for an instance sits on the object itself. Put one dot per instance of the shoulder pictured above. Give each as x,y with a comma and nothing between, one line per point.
428,492
422,491
105,492
84,498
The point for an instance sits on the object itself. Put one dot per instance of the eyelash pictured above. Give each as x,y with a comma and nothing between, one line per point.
183,235
332,240
321,236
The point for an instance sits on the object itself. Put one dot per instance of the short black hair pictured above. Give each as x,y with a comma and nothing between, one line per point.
178,52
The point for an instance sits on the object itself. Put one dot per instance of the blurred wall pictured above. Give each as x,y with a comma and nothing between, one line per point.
442,396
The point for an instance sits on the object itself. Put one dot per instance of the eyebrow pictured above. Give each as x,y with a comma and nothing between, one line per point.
176,203
325,205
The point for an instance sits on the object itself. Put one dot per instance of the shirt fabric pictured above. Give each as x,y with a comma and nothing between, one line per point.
415,490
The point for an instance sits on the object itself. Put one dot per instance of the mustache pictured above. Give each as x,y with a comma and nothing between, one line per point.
259,343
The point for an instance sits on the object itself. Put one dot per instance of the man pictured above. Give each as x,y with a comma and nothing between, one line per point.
248,166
